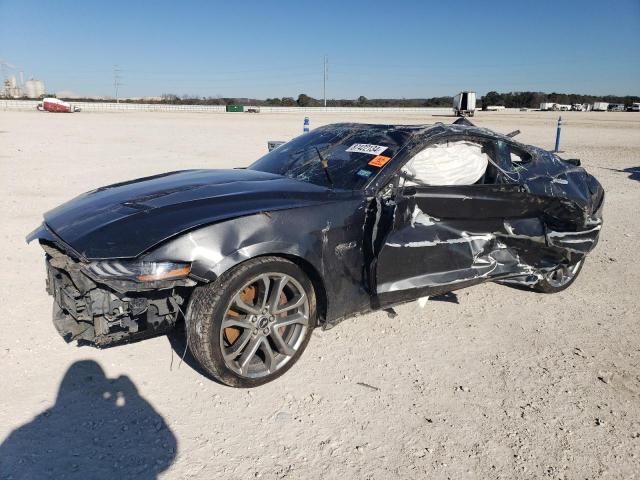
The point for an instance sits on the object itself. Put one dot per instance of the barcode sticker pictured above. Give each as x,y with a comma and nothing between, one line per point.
367,148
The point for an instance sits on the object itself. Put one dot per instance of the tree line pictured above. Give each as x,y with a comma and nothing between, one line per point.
534,99
508,100
305,100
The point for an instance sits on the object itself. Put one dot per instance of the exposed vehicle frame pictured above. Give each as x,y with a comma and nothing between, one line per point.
253,260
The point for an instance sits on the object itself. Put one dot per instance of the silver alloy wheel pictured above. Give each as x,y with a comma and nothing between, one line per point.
264,325
562,275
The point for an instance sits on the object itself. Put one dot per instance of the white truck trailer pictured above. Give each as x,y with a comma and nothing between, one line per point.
600,106
464,103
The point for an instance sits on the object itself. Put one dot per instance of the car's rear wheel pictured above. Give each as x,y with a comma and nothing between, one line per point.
560,278
252,324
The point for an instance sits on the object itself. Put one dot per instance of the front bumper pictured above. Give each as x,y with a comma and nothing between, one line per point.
94,313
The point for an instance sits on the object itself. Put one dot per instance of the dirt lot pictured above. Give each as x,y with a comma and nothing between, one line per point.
505,384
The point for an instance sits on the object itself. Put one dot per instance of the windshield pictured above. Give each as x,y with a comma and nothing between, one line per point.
354,155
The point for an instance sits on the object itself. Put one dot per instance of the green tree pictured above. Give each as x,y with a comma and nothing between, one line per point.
304,100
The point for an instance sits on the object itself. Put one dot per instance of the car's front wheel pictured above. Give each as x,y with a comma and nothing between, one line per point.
253,323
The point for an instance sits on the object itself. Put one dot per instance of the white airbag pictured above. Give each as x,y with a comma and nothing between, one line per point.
452,163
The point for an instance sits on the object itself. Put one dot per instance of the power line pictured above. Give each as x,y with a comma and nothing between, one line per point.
324,79
116,81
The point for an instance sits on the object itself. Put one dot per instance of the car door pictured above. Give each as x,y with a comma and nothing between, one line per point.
443,237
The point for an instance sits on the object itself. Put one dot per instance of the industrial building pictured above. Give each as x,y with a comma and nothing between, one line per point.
33,88
12,88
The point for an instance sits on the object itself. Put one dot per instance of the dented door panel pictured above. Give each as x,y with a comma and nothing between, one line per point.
426,251
471,234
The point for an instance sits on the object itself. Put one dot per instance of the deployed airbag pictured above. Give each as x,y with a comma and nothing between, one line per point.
451,163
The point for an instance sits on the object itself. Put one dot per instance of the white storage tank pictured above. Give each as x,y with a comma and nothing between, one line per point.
34,88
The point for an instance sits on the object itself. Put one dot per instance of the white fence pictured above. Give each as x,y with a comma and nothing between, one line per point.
356,109
151,107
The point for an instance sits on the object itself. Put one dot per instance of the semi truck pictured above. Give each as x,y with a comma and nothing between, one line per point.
464,103
57,106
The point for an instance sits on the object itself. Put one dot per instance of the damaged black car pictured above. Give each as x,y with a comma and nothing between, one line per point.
343,220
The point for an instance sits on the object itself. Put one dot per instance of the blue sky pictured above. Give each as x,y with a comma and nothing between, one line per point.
264,49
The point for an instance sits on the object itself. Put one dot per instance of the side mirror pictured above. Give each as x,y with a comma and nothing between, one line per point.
273,144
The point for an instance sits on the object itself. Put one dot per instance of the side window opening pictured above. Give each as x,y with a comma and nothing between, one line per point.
454,162
512,156
517,156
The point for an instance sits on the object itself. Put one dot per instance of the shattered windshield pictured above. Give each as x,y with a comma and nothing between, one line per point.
354,155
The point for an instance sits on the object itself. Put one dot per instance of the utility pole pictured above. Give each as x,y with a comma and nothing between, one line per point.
116,81
324,79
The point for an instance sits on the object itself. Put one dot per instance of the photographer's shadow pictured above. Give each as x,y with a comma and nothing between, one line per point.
98,428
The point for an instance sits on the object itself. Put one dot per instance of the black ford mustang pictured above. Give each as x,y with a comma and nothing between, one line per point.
343,220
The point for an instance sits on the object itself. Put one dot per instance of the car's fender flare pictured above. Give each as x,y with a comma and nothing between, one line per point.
275,249
203,268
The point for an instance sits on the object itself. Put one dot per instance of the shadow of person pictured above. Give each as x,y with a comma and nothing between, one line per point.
634,173
98,428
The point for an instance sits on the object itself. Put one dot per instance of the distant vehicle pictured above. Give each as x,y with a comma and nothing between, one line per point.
494,108
600,106
548,106
56,106
616,107
634,107
340,221
464,103
577,107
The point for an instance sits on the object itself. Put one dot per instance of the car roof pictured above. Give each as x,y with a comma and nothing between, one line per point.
425,129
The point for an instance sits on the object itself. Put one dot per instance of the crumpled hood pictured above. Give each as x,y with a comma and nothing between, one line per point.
126,219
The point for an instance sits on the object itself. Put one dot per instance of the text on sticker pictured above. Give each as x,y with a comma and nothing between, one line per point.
367,148
379,161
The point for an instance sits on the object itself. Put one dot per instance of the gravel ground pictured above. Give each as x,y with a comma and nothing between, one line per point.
505,384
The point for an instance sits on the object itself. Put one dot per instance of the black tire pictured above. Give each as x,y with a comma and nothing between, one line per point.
208,306
548,285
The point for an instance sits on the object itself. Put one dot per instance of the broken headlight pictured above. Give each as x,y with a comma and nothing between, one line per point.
139,271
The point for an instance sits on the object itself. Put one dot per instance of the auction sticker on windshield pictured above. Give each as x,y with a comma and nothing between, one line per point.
366,148
379,161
